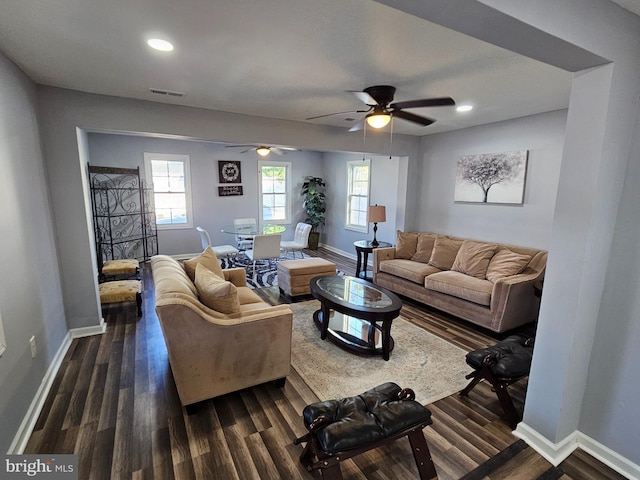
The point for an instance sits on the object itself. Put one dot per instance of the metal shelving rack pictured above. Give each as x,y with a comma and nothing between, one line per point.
123,216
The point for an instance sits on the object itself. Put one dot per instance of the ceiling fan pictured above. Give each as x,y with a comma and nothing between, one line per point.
263,150
379,97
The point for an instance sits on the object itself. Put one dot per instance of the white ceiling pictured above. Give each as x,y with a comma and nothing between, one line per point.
287,59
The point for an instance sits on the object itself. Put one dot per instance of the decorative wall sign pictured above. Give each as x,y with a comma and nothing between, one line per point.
230,190
229,171
491,178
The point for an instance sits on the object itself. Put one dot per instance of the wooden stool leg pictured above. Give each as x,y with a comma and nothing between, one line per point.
422,456
512,416
139,303
332,473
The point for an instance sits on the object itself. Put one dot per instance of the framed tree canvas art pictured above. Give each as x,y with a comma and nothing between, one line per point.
491,178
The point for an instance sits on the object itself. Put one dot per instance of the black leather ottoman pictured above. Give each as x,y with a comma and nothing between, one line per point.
343,428
501,365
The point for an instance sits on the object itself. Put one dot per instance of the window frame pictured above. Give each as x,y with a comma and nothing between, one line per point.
186,162
288,173
350,173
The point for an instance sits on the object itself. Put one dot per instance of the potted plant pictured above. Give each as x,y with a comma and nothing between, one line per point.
314,204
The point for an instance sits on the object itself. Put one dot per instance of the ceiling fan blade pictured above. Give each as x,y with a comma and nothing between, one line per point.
247,150
357,126
411,117
277,151
364,97
336,113
425,102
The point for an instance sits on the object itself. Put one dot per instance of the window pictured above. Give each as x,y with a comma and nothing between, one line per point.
171,189
358,194
275,192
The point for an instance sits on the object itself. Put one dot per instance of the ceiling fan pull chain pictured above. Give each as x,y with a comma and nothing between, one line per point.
391,137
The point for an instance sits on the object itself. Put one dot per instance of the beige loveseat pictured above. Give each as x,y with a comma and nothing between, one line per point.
496,286
241,343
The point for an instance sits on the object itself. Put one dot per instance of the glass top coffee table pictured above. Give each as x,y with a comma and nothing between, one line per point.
355,314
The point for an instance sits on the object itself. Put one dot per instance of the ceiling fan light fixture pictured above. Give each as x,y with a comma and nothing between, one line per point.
378,120
263,151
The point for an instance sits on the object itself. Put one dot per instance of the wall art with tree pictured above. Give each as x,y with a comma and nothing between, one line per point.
491,178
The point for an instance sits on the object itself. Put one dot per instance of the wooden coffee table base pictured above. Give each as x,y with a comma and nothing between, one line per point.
378,337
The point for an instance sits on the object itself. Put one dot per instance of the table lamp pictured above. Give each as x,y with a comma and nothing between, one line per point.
377,214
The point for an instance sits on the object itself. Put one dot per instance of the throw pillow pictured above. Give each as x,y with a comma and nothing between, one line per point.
473,258
506,263
208,259
424,247
216,293
406,243
444,252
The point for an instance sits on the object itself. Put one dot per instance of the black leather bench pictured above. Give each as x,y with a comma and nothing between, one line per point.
501,365
343,428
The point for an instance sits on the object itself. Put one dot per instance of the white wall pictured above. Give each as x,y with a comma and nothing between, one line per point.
529,224
30,288
210,211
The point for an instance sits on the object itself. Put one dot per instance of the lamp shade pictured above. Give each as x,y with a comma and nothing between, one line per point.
263,151
377,214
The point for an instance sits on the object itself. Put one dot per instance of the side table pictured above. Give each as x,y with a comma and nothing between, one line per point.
363,249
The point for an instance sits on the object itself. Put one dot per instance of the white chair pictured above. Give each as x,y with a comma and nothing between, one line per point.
222,251
300,240
245,241
265,247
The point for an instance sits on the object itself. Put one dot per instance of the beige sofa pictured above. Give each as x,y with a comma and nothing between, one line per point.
244,342
496,286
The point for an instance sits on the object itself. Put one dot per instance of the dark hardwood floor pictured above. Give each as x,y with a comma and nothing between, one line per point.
114,404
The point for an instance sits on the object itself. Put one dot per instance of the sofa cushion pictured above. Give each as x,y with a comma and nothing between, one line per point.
406,243
444,252
216,293
424,247
473,258
247,296
407,269
462,286
506,263
208,259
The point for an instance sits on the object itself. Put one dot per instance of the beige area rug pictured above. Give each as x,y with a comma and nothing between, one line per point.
430,366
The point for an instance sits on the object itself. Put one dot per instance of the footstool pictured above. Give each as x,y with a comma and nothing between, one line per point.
341,429
122,291
294,275
124,266
501,365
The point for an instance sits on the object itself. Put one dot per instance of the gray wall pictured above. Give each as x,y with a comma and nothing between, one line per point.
63,112
30,288
385,175
210,211
529,224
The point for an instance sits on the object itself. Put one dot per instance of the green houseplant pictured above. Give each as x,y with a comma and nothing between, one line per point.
314,204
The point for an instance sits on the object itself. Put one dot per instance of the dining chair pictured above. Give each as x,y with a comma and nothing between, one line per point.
245,241
265,247
300,240
222,251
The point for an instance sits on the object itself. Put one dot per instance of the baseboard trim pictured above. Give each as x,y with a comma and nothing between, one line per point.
556,453
350,255
21,438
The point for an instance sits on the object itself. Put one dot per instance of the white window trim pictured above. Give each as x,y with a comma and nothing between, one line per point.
350,165
187,183
287,165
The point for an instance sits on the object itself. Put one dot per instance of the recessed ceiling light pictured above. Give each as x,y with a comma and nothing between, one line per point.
464,108
159,44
